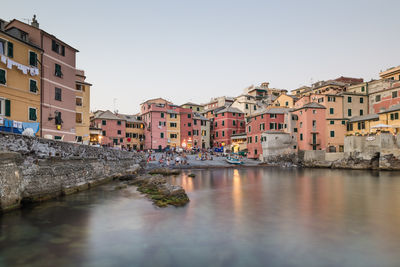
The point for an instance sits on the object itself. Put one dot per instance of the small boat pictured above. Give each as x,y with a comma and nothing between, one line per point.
233,160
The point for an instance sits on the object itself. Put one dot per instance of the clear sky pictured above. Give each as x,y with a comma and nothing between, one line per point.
194,50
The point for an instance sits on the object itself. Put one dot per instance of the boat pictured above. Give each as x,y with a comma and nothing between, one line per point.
234,160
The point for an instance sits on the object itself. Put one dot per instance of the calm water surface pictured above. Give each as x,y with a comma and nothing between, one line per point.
245,217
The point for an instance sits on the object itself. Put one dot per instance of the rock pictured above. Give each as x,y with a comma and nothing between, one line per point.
192,175
165,171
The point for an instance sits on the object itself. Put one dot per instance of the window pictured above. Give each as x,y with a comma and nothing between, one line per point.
33,86
396,116
32,59
223,123
216,124
3,76
343,122
362,88
172,116
286,103
314,123
247,106
119,132
189,133
331,111
118,122
78,101
172,124
272,115
223,133
103,133
173,136
103,122
332,134
194,122
255,139
57,94
332,122
78,117
250,140
349,112
301,124
255,151
331,99
2,47
249,129
121,140
161,135
255,107
361,112
54,46
272,126
361,100
234,123
394,94
32,114
10,49
57,70
314,111
190,115
377,98
295,130
189,124
301,137
216,134
162,115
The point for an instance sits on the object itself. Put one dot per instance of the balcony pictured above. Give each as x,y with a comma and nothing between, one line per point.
314,142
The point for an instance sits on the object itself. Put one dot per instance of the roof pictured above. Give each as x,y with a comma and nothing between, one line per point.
129,118
365,118
158,98
238,135
191,104
106,115
229,109
171,111
270,111
312,105
198,116
22,41
390,109
275,132
76,50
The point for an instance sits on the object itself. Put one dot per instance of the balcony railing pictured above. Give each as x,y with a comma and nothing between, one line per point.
314,142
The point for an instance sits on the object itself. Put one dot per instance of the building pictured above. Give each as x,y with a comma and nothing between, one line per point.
173,128
134,131
154,116
267,120
227,122
311,126
277,145
58,74
20,83
201,131
217,102
285,100
186,128
82,102
112,128
354,104
362,125
194,107
391,73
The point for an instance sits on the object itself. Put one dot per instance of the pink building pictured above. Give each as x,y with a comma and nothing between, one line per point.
58,90
311,126
268,120
112,128
384,99
227,121
154,116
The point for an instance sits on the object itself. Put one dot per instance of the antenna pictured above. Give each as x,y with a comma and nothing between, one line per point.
114,104
28,20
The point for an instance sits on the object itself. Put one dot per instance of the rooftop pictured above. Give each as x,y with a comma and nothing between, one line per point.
365,118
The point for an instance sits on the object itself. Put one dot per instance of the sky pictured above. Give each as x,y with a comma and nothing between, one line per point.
192,51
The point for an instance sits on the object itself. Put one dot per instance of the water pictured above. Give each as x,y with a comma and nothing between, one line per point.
245,217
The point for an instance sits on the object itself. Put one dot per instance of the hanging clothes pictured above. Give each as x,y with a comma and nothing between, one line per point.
8,123
32,125
1,121
3,59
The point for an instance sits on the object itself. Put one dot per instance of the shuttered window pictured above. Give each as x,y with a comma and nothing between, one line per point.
32,59
8,108
58,72
10,49
3,77
32,114
57,94
32,86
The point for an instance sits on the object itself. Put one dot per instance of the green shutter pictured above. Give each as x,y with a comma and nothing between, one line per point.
33,87
8,108
10,50
3,77
32,59
32,114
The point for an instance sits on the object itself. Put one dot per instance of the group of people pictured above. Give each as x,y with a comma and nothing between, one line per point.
169,158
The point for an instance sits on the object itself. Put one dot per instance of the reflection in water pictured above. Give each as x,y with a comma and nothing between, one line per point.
236,217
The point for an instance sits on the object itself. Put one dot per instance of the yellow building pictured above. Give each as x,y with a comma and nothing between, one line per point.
392,73
173,128
134,131
20,84
82,108
284,100
194,107
385,121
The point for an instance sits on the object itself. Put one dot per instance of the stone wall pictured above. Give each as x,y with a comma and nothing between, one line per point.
277,146
35,169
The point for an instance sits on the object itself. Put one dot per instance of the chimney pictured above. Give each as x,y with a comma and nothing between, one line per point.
2,25
34,22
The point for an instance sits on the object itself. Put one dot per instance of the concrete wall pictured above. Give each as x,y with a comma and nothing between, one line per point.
34,169
277,144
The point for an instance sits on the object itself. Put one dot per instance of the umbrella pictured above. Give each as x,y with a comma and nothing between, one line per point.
381,125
